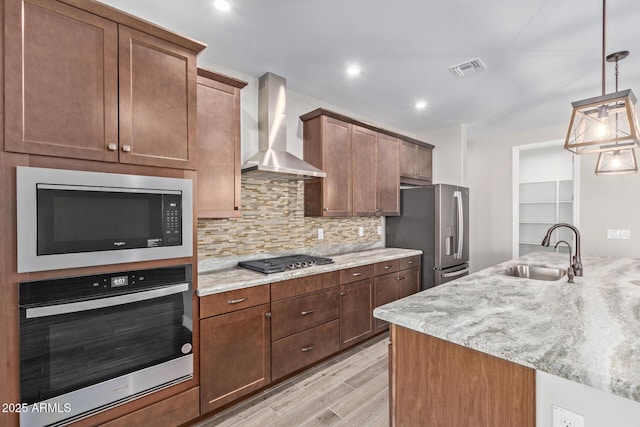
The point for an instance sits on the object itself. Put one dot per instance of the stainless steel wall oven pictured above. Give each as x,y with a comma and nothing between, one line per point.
89,343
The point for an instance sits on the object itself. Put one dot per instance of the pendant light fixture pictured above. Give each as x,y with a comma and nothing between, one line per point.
617,161
606,122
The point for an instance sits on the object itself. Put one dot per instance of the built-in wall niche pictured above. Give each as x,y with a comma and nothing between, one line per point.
544,194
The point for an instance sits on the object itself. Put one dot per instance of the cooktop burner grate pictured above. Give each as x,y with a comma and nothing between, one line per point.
280,264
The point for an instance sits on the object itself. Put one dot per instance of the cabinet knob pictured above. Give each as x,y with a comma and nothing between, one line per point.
307,348
112,146
237,301
342,294
126,148
326,209
268,315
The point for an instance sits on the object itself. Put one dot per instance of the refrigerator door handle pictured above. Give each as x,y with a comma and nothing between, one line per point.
459,225
455,273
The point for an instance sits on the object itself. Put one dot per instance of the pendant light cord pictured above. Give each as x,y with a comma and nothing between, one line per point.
604,42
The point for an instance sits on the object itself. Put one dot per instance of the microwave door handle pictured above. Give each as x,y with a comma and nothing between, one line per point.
74,307
457,195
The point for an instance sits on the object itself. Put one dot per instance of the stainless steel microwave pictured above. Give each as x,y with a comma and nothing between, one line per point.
70,218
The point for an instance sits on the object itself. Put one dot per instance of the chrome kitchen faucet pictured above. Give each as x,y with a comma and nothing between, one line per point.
577,258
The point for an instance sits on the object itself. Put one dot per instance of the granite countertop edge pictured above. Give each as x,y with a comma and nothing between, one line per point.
239,278
587,332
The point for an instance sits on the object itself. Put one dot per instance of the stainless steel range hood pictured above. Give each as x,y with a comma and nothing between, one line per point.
273,161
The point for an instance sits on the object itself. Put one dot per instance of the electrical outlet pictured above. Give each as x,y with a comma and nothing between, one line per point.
619,234
565,418
320,233
379,230
360,231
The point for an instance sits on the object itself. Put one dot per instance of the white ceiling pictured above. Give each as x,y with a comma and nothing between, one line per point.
540,54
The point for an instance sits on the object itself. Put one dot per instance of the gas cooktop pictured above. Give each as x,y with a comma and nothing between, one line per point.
280,264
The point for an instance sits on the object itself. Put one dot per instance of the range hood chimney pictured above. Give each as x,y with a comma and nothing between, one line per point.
273,161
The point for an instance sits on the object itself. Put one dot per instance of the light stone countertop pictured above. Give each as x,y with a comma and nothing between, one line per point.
239,278
587,332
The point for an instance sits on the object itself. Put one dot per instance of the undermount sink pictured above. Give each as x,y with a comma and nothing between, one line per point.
535,272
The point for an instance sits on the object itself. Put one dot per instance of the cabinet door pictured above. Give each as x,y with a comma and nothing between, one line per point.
388,176
408,283
363,164
235,355
356,307
61,81
407,159
157,101
218,149
384,292
336,142
423,163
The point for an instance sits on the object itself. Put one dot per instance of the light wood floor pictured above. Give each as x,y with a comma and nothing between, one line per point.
352,389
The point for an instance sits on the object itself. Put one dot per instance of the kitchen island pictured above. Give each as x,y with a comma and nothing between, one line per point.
587,332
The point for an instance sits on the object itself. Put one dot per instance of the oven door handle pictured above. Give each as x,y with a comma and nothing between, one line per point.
74,307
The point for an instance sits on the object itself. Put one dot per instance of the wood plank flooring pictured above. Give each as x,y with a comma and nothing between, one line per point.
351,389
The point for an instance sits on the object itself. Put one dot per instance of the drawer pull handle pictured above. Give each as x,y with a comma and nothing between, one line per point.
356,274
237,301
409,262
305,313
308,348
386,267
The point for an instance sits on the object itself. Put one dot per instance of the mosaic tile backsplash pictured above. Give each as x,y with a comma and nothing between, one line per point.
273,221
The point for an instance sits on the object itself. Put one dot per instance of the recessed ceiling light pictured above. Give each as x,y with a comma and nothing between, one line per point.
353,70
421,105
222,5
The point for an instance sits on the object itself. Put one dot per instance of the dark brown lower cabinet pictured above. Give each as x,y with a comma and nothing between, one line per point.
235,355
356,306
302,349
384,292
408,282
440,384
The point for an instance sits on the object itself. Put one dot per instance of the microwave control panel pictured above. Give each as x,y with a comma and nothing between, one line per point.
172,229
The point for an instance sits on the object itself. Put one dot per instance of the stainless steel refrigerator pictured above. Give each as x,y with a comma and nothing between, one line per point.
434,219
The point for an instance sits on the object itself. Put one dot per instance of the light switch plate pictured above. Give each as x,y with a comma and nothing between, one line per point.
619,234
379,230
320,233
360,231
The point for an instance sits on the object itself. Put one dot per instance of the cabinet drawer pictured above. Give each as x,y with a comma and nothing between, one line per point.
304,285
299,350
409,262
356,273
386,267
297,314
225,302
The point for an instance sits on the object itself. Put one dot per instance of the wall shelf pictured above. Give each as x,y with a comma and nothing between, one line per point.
541,205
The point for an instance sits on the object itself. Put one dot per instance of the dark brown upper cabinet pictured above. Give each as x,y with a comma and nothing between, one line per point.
363,165
415,163
80,84
218,145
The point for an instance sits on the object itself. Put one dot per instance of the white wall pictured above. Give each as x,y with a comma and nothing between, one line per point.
297,105
489,169
606,202
449,154
599,408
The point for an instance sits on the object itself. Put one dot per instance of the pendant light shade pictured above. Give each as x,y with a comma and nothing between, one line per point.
603,123
615,162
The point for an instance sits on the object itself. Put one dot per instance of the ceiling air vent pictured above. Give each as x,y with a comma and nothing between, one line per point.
468,67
